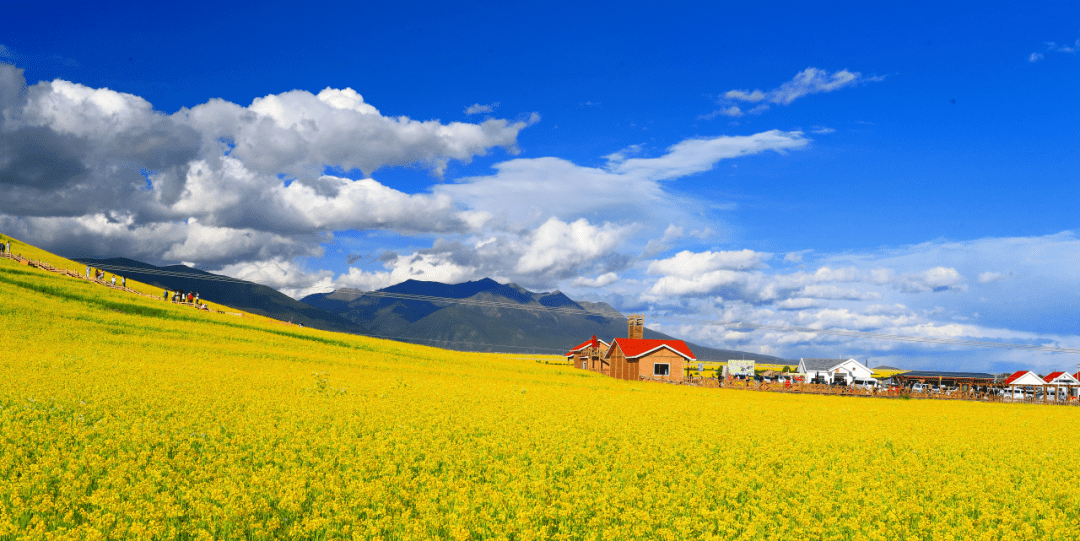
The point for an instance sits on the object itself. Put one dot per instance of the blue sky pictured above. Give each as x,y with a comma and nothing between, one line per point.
904,169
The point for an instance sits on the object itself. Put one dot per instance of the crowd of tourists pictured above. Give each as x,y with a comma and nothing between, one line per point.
183,297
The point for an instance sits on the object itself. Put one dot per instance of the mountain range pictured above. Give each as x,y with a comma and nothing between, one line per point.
481,315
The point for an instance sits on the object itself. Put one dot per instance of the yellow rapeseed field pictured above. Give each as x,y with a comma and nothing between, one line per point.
128,417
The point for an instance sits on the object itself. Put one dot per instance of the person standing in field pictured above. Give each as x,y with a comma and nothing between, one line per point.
88,271
196,298
114,280
165,295
123,282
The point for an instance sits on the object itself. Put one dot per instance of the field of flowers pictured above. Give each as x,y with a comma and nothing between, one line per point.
128,417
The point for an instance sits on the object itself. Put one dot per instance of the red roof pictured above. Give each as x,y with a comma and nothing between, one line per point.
1015,376
633,348
583,345
1052,375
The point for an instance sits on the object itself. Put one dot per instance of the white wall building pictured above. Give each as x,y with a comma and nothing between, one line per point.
834,370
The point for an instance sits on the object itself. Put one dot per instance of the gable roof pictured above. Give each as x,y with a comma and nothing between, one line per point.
634,348
820,364
1024,377
1063,378
585,344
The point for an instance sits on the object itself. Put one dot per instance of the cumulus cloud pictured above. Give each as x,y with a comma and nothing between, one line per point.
561,248
113,167
1035,57
741,276
806,82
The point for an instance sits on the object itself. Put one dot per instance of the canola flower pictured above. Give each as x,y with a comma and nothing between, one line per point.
126,417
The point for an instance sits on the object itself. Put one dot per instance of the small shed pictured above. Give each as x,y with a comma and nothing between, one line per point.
632,358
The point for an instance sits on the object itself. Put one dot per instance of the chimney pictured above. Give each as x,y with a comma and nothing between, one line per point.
636,324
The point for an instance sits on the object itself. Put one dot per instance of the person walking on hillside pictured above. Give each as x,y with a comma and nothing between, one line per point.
123,282
88,272
196,298
165,295
114,280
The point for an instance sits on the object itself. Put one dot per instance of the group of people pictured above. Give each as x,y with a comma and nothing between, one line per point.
5,247
99,275
180,296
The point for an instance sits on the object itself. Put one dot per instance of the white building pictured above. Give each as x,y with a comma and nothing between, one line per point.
834,370
1062,384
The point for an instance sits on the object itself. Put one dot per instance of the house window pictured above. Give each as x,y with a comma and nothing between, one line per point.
659,369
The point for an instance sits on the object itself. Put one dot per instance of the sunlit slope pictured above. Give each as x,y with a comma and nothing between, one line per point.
34,253
127,417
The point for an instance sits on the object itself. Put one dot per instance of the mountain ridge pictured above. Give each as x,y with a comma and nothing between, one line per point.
458,325
480,315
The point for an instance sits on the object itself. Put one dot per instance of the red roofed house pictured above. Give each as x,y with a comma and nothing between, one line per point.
589,355
1024,377
632,358
1064,384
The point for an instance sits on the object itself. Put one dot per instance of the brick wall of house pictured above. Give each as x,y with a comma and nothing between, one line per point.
677,364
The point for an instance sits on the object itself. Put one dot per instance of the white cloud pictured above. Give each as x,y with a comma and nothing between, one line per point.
71,151
935,279
626,187
1054,47
806,82
988,277
437,267
1070,49
915,291
282,274
477,108
733,111
557,246
822,130
687,264
796,257
599,281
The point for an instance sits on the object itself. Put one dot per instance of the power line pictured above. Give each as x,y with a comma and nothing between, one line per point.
496,304
616,314
118,269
